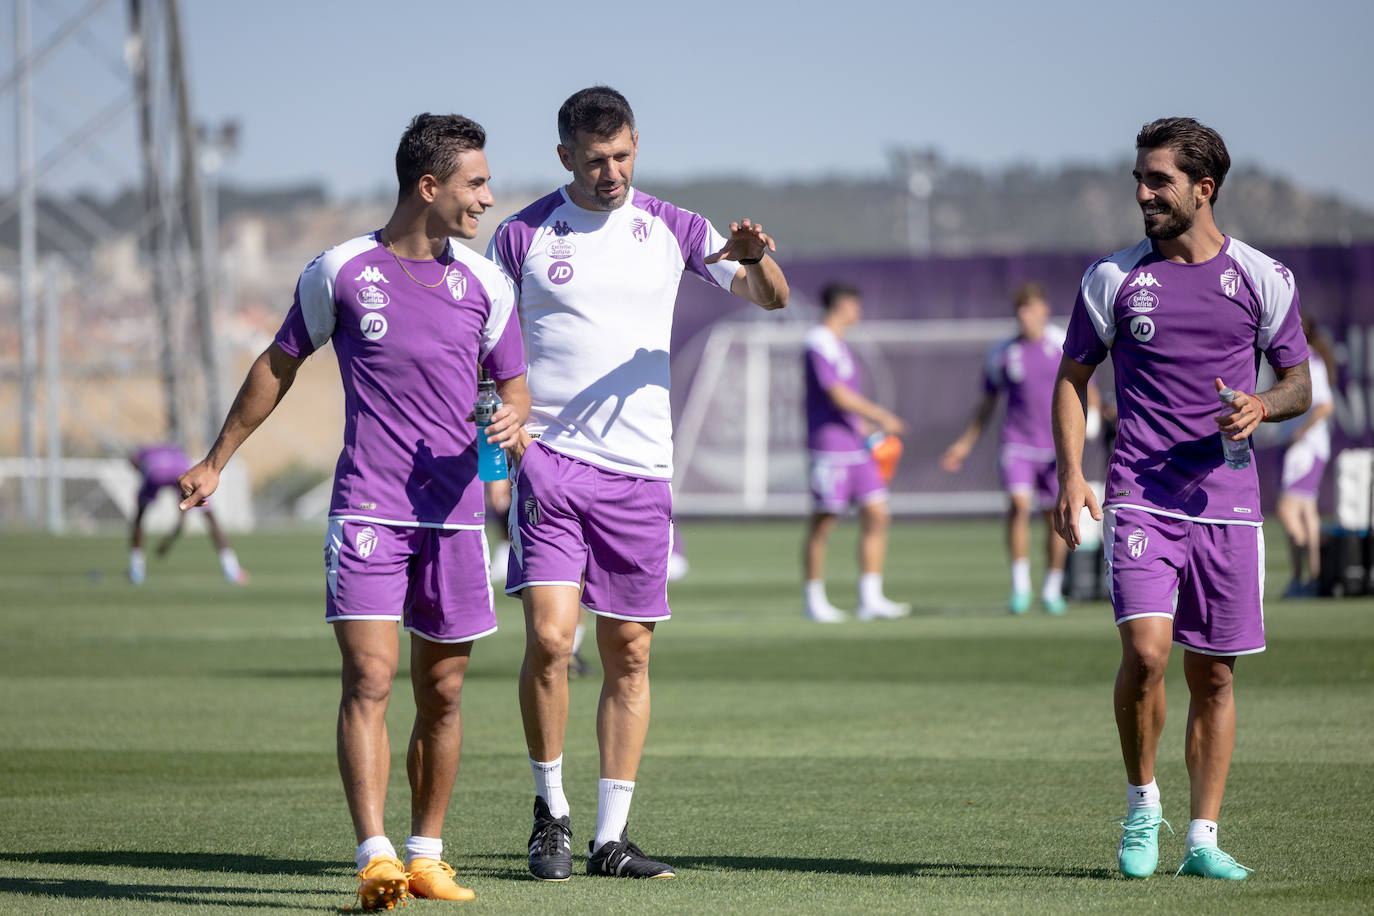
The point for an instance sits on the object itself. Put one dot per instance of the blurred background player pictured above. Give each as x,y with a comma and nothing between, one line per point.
844,472
159,466
1024,368
1304,463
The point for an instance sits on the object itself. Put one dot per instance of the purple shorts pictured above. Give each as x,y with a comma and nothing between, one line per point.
840,480
573,523
1302,471
1026,470
151,486
434,580
1207,577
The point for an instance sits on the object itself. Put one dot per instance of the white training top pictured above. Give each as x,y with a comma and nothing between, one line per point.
596,292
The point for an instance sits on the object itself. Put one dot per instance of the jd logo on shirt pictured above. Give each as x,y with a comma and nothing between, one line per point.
373,325
1142,328
560,272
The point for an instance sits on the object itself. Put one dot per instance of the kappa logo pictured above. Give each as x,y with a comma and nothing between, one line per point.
531,510
1145,281
1137,543
1142,328
1144,301
372,274
373,297
561,228
365,541
640,228
1283,272
560,272
457,283
1230,281
373,325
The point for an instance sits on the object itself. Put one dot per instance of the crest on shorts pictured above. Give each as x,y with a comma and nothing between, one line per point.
531,510
1137,542
365,541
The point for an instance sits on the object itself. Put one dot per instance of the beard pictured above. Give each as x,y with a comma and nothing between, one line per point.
1169,225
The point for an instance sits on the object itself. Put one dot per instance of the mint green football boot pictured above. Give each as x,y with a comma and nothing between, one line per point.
1019,602
1211,862
1138,853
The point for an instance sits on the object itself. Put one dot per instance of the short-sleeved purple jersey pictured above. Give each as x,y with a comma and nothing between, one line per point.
1025,370
161,464
1171,329
408,356
829,362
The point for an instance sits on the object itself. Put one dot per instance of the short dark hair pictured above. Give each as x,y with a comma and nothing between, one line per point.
433,145
598,110
834,292
1198,149
1029,292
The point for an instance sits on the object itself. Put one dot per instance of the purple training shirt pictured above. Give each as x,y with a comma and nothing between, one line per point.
1171,329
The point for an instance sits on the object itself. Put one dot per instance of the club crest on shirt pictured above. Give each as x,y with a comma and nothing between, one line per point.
1144,301
560,249
366,541
1137,542
373,297
640,227
1230,281
457,283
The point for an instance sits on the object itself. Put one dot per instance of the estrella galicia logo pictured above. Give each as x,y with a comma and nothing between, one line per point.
561,228
373,326
1137,542
531,510
457,283
366,541
1144,301
640,227
373,297
1142,328
560,272
561,249
1230,281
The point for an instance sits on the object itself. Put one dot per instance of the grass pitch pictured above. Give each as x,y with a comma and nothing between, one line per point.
171,747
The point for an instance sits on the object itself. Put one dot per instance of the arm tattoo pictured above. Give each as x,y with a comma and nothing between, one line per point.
1291,394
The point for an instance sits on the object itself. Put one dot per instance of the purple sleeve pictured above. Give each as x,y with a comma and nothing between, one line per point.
822,369
293,337
1081,343
508,247
506,359
1289,347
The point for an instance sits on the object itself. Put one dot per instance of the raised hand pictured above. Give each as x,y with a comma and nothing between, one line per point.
747,242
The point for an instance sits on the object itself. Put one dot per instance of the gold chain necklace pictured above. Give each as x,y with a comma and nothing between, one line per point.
448,262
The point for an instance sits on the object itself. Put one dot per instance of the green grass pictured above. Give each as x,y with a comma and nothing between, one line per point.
171,747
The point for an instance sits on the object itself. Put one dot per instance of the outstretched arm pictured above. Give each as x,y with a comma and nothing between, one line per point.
1290,396
268,380
762,282
1070,409
953,457
846,398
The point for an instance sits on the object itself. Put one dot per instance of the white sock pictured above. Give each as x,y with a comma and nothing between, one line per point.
815,593
548,785
1142,796
1054,583
371,848
138,566
577,638
1020,575
871,589
1200,833
423,847
229,562
612,810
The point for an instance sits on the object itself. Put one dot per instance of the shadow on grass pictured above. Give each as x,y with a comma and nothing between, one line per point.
505,866
250,896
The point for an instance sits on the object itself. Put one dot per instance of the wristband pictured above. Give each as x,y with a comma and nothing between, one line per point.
1264,411
751,260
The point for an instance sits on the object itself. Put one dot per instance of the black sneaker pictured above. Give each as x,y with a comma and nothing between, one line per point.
623,859
550,844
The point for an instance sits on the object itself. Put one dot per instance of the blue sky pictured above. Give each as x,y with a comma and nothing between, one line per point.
774,91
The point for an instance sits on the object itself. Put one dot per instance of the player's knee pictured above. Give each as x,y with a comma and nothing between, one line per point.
1211,679
367,681
548,644
1145,664
440,697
